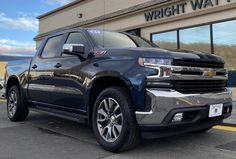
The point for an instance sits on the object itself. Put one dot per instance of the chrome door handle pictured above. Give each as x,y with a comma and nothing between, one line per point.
58,65
34,66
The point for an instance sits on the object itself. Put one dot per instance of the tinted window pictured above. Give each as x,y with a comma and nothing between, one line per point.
197,38
78,38
167,40
109,39
142,42
53,47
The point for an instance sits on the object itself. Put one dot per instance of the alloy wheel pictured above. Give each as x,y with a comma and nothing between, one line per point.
12,103
109,119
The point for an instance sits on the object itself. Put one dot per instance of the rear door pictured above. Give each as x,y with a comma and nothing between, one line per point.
41,85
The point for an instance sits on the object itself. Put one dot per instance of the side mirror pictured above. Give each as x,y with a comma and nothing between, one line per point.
73,49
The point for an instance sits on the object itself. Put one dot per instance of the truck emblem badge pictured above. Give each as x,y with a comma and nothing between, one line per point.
209,73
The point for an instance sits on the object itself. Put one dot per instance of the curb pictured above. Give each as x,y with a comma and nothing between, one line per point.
228,124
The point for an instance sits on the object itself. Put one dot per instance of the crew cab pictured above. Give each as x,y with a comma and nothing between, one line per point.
123,85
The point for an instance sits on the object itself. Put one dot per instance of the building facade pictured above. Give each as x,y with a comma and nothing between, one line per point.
2,69
202,25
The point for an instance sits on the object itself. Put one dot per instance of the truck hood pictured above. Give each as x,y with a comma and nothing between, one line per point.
162,53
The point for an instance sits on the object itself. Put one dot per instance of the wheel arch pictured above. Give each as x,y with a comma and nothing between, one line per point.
101,84
12,80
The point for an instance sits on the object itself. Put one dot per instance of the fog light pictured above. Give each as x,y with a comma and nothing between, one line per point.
178,117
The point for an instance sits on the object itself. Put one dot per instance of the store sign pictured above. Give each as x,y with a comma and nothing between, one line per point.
181,8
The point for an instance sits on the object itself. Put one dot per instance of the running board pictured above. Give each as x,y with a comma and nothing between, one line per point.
61,114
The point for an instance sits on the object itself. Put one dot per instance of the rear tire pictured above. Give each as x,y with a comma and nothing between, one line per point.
114,122
15,111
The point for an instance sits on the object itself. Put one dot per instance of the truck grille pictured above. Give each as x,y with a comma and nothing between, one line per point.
199,86
178,62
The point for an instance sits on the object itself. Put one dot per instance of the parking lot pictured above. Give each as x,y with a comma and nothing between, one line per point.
47,137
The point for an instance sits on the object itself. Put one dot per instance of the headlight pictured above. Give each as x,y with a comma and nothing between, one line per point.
162,66
154,61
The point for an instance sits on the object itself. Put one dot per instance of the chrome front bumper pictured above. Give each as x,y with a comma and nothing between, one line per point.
162,102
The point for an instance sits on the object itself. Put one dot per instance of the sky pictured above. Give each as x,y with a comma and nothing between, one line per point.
19,25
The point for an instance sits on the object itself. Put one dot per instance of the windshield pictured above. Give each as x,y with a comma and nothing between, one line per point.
110,39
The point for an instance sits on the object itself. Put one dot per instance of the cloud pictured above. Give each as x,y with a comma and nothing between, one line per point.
61,2
22,22
16,51
14,43
28,14
15,48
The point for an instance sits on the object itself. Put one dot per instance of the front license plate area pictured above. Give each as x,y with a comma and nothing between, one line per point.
215,110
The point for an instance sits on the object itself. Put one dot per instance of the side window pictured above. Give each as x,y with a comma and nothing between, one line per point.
52,47
78,38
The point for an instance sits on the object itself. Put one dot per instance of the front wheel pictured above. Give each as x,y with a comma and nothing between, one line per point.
114,121
15,111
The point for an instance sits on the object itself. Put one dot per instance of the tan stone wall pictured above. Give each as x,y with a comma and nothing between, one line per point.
223,11
95,8
2,69
68,16
89,9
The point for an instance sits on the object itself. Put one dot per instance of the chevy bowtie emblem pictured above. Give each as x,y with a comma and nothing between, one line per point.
210,73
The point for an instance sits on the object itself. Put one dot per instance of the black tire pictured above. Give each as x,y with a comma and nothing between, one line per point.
129,135
15,111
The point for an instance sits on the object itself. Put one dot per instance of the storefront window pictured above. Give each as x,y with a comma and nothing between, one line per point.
225,42
167,40
197,38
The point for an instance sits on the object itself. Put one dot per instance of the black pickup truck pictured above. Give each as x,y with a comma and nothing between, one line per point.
124,86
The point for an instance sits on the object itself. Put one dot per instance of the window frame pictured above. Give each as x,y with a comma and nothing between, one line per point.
45,43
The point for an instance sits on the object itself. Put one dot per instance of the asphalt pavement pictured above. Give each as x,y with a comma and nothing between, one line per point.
45,137
1,93
232,119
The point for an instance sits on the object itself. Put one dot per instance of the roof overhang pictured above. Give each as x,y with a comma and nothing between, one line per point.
104,18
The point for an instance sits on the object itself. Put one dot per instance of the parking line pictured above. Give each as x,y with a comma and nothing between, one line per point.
226,128
2,100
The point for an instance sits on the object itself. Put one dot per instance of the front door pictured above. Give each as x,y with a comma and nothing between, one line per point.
68,80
